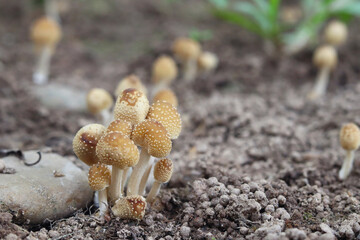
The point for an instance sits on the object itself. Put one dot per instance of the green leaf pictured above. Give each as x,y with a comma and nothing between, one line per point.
219,3
250,10
352,9
263,5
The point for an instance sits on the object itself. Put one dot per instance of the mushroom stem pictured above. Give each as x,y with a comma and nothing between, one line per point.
153,192
103,203
189,70
138,172
124,178
347,165
321,84
51,10
41,72
115,190
106,117
145,177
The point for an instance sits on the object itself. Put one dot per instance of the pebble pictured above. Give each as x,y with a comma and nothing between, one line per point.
185,231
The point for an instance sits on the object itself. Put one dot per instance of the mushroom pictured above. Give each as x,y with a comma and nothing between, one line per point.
119,151
99,101
131,81
45,33
207,62
132,105
335,33
164,71
130,207
121,126
85,142
350,141
163,170
153,138
51,9
325,59
99,179
187,51
166,95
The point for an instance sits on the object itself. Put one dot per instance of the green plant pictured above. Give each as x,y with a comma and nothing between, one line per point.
200,35
262,17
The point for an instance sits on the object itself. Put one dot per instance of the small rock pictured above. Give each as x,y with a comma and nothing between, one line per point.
185,231
282,200
295,234
11,236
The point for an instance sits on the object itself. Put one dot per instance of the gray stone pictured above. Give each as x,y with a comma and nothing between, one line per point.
52,189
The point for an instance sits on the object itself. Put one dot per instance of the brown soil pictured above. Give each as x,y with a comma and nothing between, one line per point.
254,159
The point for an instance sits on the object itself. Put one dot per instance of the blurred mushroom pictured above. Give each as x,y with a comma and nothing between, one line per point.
350,141
187,51
99,101
131,81
325,59
166,95
164,71
163,170
130,207
207,62
45,33
335,33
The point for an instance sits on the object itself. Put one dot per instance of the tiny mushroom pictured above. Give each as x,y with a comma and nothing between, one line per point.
325,59
85,142
119,151
121,126
163,170
99,101
130,207
99,179
336,33
45,33
187,51
131,81
132,105
164,71
350,141
166,95
207,62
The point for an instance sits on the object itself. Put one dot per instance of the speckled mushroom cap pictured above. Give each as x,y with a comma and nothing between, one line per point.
99,177
98,99
117,150
152,135
207,61
166,95
335,33
164,70
45,31
131,81
121,126
168,116
325,57
350,137
186,49
132,105
163,170
85,142
130,207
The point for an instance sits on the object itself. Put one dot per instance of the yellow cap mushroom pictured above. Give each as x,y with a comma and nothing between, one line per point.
131,81
130,207
45,32
85,142
335,33
163,170
164,70
166,95
207,61
121,126
98,100
132,105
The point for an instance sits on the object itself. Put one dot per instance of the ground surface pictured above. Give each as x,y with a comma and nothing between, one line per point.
254,159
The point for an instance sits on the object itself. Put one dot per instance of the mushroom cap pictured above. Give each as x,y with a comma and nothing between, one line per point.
207,61
166,95
350,137
335,33
164,70
168,116
99,177
85,142
163,170
152,135
98,99
132,105
117,150
325,57
130,207
131,81
121,126
45,31
186,49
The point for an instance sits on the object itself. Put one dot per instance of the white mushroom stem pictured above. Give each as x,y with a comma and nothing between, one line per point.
106,117
155,189
138,172
321,84
115,186
347,165
124,178
41,72
145,177
103,203
189,69
51,9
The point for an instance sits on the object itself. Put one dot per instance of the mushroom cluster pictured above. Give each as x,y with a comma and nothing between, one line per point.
113,150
